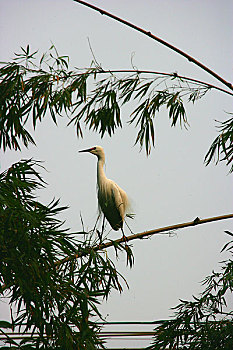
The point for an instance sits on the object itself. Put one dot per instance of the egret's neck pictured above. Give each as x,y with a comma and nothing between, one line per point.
100,171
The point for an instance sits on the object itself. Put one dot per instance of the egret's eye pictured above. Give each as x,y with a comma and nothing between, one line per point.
93,148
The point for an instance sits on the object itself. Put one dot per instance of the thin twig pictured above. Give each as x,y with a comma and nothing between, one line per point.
163,42
146,234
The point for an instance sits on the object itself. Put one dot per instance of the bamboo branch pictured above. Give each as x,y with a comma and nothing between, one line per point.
161,41
146,234
139,71
175,75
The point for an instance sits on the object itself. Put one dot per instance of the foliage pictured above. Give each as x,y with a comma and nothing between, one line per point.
204,323
223,144
56,299
30,89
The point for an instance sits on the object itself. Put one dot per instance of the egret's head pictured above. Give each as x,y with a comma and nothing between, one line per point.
97,150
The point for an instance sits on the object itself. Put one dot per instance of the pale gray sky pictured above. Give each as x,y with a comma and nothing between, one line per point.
170,186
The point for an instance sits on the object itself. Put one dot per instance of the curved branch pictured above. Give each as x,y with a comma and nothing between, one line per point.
175,75
139,71
161,41
147,234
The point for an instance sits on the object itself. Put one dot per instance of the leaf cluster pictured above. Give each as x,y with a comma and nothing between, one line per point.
204,323
222,147
57,302
28,90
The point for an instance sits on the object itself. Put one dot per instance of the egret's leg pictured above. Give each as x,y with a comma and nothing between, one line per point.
100,234
124,236
96,222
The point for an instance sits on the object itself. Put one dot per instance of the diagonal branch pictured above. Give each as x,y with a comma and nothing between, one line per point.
161,41
146,234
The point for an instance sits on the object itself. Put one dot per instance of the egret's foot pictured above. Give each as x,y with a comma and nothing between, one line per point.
125,239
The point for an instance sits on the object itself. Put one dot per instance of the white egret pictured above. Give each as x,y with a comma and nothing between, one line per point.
112,200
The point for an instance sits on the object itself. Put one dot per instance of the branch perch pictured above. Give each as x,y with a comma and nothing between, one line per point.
141,235
146,234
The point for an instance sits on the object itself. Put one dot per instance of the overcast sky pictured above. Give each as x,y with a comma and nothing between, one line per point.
170,186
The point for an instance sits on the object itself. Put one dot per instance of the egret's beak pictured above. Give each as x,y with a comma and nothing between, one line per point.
86,150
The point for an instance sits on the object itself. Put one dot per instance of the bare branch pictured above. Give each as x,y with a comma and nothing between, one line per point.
147,234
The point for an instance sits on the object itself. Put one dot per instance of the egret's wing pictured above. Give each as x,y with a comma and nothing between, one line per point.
118,200
113,202
121,200
114,208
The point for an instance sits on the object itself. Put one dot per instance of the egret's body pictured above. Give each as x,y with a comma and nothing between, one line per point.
112,200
